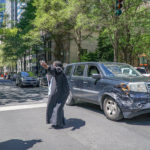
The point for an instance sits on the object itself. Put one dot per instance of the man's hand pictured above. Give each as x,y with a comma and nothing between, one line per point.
44,64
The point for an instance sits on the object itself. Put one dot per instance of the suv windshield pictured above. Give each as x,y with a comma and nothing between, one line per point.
120,70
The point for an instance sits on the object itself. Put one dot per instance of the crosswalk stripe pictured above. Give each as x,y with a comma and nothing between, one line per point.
20,107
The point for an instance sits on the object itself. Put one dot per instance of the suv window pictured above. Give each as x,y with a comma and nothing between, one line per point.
68,70
79,70
92,70
141,70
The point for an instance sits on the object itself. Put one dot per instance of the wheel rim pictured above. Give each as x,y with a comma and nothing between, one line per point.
111,108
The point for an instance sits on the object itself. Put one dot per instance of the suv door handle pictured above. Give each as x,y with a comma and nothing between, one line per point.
85,82
71,80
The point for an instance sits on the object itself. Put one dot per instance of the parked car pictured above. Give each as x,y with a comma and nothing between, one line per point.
143,71
23,79
119,89
14,76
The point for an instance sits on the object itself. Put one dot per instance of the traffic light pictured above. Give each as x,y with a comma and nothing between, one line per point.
118,10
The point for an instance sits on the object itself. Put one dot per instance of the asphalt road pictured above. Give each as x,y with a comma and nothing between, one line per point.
86,128
11,94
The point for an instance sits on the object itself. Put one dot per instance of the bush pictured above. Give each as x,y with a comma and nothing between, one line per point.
31,74
91,56
104,51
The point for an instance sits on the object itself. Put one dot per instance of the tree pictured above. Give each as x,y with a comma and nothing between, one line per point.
65,20
8,52
104,51
19,39
123,29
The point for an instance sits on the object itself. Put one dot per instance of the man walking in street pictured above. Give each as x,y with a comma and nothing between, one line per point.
58,93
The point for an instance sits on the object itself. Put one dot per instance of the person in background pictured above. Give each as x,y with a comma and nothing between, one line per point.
58,94
48,76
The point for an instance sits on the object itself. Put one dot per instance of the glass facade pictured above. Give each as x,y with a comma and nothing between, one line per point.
20,9
14,9
2,10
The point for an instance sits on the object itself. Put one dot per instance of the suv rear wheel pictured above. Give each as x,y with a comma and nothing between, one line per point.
111,109
70,101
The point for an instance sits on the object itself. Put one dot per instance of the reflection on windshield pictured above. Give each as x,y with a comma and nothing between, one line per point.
120,70
24,74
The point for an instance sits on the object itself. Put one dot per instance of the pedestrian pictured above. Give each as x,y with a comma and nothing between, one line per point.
2,75
48,76
57,96
5,75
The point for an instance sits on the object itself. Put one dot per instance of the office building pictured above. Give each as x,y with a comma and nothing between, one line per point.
2,10
11,13
20,9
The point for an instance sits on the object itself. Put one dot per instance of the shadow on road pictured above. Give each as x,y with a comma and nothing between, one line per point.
91,107
74,123
16,144
10,94
139,120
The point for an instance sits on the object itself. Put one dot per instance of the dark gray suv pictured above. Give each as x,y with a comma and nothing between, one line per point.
119,89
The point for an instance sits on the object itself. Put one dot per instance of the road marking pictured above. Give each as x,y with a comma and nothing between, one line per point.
20,107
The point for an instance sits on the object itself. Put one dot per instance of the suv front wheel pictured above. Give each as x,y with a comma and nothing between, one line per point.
111,109
70,101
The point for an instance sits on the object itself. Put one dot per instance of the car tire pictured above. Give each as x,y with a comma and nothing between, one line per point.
112,110
70,101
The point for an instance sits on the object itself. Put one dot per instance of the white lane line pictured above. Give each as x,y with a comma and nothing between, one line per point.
19,107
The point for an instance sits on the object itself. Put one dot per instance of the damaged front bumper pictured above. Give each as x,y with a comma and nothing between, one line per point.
136,112
135,104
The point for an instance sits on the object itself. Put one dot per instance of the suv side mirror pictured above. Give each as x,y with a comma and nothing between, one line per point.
96,76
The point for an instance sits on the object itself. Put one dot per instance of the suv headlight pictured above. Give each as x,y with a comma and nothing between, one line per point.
137,87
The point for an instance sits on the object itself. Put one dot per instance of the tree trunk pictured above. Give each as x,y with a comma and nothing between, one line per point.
116,46
25,61
59,48
78,41
21,64
37,68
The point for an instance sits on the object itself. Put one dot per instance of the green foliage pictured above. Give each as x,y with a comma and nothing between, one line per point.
31,74
17,40
126,35
9,38
105,48
91,56
104,51
71,19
